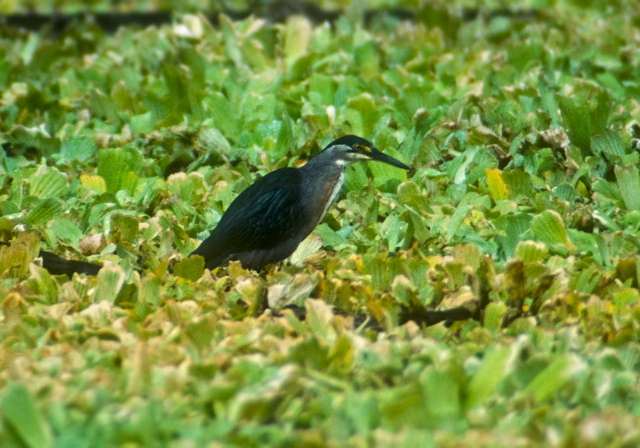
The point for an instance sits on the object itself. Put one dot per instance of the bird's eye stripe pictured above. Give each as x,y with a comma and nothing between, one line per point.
357,147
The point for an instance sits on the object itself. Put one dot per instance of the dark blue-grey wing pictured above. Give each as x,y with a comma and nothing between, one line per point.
265,222
264,215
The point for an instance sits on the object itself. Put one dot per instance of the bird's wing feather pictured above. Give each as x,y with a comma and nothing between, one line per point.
265,214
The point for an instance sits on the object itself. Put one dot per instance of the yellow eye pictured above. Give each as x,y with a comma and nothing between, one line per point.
361,148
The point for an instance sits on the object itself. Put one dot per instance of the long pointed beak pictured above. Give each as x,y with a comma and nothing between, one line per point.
375,154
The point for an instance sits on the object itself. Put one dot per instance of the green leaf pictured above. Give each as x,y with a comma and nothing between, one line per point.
80,147
42,281
321,89
64,230
403,406
492,370
200,331
512,228
493,315
213,140
9,208
118,167
417,228
393,230
20,412
356,178
441,395
17,189
607,189
626,297
142,123
380,275
608,143
585,115
231,40
548,382
15,257
629,185
330,238
575,112
549,227
609,80
189,187
383,173
565,192
367,59
150,290
190,268
297,33
456,220
43,212
407,191
104,106
518,183
225,115
124,227
110,281
48,182
531,251
35,138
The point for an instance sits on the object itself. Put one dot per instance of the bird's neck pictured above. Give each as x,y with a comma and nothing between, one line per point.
322,184
322,170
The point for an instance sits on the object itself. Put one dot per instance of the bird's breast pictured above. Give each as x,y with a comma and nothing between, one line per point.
333,194
323,195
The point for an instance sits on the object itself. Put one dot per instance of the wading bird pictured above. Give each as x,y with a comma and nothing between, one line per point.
267,221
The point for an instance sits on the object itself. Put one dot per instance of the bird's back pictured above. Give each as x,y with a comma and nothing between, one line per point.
267,215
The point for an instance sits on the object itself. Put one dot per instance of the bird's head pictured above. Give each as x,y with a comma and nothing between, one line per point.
350,148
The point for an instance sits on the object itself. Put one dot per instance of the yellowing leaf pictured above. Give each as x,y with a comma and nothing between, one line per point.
306,251
16,256
190,268
13,308
94,182
319,315
531,251
497,187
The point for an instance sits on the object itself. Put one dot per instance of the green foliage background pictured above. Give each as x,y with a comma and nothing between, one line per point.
522,129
